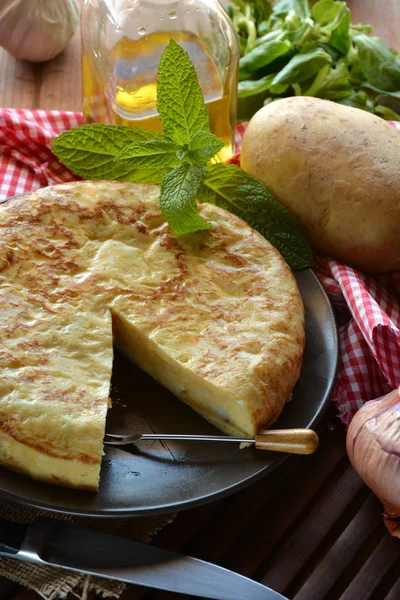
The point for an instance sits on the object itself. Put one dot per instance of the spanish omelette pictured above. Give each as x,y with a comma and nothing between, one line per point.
215,316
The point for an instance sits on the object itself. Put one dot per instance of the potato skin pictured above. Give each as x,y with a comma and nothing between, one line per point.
337,170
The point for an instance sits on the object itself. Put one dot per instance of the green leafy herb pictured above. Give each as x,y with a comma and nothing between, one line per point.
178,198
302,66
180,102
179,159
381,66
340,35
336,84
90,150
232,188
151,154
325,11
357,100
262,56
203,147
154,175
387,113
246,89
360,67
382,92
300,7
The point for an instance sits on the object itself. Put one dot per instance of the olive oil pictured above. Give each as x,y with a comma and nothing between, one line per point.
121,89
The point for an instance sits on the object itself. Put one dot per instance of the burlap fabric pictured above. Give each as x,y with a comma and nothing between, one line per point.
52,583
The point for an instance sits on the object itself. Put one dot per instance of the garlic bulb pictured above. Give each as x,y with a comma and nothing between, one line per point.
37,30
373,446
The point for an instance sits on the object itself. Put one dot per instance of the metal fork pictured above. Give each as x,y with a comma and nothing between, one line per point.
294,441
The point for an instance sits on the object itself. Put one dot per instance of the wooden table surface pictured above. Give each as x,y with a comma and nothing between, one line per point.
312,530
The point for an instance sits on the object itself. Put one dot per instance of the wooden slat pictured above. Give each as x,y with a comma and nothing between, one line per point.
394,593
239,513
171,537
328,570
175,537
212,538
369,578
248,508
220,541
236,517
19,82
61,85
185,526
290,558
278,515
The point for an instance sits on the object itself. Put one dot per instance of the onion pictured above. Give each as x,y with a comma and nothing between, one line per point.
37,30
373,446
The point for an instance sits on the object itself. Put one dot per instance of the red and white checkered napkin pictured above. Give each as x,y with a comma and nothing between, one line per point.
368,314
26,161
368,309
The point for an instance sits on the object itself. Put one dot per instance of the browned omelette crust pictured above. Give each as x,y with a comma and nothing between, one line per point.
215,316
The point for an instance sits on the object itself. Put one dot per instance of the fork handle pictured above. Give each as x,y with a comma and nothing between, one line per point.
294,441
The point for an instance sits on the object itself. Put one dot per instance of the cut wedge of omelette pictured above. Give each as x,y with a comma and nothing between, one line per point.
215,316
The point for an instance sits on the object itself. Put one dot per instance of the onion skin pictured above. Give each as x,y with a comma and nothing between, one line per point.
373,446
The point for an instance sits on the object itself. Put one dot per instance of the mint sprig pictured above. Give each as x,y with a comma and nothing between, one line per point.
180,102
90,150
154,153
203,146
179,159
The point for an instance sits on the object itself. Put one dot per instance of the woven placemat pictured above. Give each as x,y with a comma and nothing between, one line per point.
51,582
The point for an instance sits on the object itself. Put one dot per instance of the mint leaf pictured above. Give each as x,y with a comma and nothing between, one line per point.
154,153
177,198
206,194
180,102
203,147
154,176
89,150
233,189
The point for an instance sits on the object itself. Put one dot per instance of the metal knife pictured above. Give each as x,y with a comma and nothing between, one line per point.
77,548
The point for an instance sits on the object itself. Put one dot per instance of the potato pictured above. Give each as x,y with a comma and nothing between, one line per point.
337,170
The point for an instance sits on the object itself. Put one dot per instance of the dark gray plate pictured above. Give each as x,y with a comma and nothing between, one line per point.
157,477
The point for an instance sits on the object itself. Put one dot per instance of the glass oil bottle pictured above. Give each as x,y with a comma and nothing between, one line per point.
122,41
